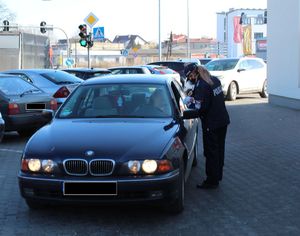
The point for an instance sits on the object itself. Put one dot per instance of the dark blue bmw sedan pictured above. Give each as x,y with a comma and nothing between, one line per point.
123,138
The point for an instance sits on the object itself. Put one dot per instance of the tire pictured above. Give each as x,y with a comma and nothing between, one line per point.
232,91
264,92
177,205
34,205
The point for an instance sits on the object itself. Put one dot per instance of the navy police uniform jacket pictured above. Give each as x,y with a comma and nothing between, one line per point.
212,112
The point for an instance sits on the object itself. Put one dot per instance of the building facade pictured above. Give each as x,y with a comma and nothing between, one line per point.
241,35
284,53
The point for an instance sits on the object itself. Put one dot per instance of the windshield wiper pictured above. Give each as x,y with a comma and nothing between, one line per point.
29,91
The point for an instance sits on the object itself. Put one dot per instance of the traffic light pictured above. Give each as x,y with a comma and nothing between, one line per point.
6,25
83,35
85,38
42,28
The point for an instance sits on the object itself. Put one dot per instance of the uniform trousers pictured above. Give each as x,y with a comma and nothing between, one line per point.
214,149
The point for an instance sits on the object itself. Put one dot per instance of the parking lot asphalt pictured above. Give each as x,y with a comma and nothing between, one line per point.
259,194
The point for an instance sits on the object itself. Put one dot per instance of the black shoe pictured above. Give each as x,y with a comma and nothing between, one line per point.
207,185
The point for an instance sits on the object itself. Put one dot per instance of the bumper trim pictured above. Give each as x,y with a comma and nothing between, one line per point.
158,178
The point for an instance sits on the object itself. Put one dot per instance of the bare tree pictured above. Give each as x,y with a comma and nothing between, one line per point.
6,13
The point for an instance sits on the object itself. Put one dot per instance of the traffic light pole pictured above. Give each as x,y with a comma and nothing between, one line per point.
88,51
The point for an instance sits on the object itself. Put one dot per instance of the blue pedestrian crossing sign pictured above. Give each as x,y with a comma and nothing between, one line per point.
98,33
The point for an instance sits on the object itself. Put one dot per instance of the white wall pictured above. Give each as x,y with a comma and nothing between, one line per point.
284,50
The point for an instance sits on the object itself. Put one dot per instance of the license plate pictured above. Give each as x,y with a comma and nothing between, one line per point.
90,188
35,106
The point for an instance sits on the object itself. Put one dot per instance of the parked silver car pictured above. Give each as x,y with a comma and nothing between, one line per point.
147,69
58,84
240,75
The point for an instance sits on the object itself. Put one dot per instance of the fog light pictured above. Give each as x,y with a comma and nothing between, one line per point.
48,166
34,165
149,166
134,166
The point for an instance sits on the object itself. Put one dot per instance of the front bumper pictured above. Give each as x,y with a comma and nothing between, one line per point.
130,189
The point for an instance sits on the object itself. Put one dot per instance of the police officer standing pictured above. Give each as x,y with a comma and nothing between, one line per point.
209,96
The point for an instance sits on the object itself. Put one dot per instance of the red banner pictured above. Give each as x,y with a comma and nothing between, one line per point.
238,30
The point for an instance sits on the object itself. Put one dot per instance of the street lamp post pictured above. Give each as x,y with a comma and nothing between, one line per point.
159,31
188,29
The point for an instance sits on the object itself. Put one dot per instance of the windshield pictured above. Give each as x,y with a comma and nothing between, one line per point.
16,86
118,100
61,77
221,65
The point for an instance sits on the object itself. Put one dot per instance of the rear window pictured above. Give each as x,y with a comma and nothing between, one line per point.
221,65
173,65
60,77
15,86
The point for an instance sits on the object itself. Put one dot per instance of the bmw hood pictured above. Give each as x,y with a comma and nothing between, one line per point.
117,139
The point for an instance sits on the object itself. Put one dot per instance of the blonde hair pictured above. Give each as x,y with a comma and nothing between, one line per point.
205,75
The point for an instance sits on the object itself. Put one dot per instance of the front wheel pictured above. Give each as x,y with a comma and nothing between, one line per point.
264,92
178,205
232,91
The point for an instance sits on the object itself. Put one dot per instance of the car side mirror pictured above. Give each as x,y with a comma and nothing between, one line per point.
240,70
48,114
190,114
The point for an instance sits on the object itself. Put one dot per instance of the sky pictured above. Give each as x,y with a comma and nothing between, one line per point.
123,17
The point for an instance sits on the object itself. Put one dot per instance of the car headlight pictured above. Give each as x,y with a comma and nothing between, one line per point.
134,166
149,166
34,165
48,166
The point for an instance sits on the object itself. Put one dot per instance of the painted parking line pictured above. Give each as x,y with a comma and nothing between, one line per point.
10,150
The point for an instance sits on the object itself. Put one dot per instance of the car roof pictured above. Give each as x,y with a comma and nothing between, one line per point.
87,69
34,70
124,67
4,75
165,62
129,78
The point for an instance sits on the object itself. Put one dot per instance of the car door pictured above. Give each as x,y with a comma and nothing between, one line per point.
258,74
243,76
191,125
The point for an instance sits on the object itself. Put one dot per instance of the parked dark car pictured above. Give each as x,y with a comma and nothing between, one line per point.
178,66
22,104
122,139
204,61
2,127
58,84
86,73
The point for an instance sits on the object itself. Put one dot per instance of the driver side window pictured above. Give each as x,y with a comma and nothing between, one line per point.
179,96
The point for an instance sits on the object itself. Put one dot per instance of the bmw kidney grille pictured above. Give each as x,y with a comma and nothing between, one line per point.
97,167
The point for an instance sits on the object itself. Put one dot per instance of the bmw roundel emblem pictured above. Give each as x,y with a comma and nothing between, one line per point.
89,153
